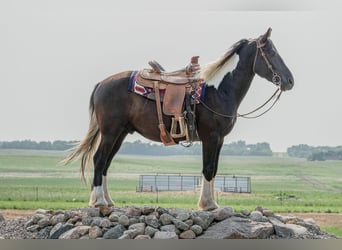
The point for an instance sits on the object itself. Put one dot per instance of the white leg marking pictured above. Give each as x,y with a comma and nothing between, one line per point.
106,193
206,200
97,197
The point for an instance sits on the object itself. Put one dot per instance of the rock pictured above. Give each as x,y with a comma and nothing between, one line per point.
135,220
202,218
91,211
95,232
33,228
287,231
128,234
55,228
169,228
259,208
44,222
115,232
166,219
87,220
183,216
223,213
150,231
189,234
245,212
268,213
105,223
146,210
2,218
58,218
152,221
310,225
165,235
95,221
196,229
180,224
133,211
142,237
61,230
138,229
113,217
105,211
238,228
75,233
37,217
124,220
256,216
189,222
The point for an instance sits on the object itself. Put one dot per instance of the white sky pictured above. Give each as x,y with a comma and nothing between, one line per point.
52,53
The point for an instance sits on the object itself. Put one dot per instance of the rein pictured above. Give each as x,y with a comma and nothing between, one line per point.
276,80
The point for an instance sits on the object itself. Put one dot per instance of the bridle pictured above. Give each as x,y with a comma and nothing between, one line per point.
276,80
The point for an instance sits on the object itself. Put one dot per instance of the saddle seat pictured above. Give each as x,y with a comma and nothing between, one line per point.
176,84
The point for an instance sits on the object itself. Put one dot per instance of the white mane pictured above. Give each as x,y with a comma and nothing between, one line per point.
213,73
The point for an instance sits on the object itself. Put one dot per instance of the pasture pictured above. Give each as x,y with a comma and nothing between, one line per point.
33,179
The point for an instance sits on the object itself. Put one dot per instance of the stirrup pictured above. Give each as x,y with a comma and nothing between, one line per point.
179,122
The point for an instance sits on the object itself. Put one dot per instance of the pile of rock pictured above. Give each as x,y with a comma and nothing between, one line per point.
160,223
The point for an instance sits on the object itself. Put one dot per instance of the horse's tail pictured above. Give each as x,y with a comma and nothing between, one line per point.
87,147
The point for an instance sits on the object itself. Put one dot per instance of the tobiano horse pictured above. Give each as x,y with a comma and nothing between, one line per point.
115,112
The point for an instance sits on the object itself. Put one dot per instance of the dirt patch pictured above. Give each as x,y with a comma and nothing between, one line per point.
12,214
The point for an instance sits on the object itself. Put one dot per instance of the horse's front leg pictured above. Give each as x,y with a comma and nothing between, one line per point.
211,150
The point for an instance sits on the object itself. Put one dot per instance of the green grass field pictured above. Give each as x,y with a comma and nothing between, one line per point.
33,179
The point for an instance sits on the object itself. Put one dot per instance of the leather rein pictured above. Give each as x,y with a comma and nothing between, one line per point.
276,80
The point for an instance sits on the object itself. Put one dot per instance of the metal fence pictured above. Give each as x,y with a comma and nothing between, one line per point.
163,182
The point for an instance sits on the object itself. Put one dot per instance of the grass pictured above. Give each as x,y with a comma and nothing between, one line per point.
33,179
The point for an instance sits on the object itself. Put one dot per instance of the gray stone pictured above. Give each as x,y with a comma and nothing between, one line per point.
133,211
196,229
113,217
138,228
96,221
124,220
55,228
223,213
183,216
115,232
2,218
245,212
95,232
189,234
152,221
87,220
134,220
189,222
256,215
202,218
238,228
128,234
165,235
169,228
105,223
37,217
180,224
310,225
91,211
268,213
146,210
143,237
44,222
166,219
287,231
150,231
61,230
57,219
33,228
75,233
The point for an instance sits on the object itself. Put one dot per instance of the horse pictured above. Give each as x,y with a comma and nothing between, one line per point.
115,112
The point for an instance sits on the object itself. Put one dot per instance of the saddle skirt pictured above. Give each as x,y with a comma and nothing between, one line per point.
136,87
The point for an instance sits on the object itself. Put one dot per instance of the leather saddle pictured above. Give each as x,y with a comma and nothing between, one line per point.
176,85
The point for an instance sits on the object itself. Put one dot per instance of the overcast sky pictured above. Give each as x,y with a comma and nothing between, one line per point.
52,53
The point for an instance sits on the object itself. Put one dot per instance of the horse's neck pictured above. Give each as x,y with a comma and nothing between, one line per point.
235,84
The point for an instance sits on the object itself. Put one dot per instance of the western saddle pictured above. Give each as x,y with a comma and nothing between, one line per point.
177,86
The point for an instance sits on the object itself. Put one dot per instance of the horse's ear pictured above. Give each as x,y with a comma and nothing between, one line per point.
266,35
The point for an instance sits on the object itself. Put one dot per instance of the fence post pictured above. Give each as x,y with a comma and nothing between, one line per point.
36,193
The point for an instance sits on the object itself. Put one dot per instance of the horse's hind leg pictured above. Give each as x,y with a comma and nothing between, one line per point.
104,176
102,158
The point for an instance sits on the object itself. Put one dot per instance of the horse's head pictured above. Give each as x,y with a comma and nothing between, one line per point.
268,63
